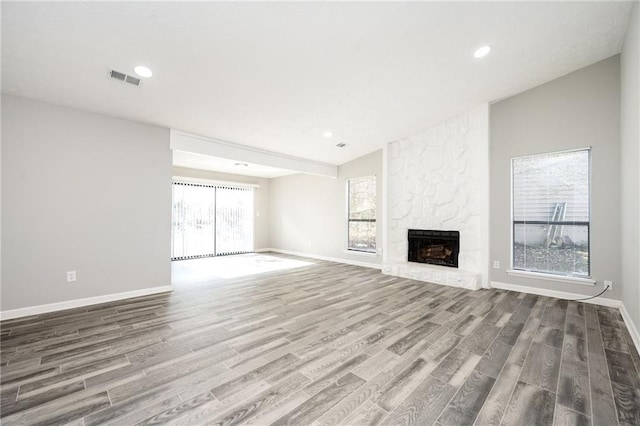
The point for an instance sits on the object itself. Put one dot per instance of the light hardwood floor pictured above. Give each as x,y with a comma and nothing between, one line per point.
322,344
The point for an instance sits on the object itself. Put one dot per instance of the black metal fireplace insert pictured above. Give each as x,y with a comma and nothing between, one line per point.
434,247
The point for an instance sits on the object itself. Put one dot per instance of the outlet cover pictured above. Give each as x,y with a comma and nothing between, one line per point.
71,276
610,284
496,264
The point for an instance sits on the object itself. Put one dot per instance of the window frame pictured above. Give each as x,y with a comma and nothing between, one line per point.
547,275
349,220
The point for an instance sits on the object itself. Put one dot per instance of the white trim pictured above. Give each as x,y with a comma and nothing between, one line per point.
347,207
485,199
511,227
383,219
633,331
327,258
79,303
589,185
187,179
345,233
612,303
564,151
551,277
360,253
182,141
262,250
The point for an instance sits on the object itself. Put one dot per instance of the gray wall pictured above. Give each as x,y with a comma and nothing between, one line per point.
575,111
309,213
261,200
83,192
630,166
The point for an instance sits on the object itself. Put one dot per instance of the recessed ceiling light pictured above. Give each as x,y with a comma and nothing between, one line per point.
143,71
327,134
482,52
242,165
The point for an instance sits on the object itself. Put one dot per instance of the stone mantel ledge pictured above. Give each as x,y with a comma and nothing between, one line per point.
434,274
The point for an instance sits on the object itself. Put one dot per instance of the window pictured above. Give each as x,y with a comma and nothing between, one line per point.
551,213
361,195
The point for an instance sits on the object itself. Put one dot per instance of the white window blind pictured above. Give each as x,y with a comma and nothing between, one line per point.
210,220
551,213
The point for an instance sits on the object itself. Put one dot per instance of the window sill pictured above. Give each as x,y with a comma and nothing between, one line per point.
361,253
550,277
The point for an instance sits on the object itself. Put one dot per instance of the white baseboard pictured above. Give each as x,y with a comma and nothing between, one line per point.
79,303
320,257
633,331
603,301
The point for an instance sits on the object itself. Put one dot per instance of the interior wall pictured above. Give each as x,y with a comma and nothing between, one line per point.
83,192
579,110
261,200
630,167
309,213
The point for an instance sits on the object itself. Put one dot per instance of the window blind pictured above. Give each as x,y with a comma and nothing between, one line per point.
551,213
193,227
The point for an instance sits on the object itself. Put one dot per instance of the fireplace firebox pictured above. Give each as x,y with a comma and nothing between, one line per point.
434,247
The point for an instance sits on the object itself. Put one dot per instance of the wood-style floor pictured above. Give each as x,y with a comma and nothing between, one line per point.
323,344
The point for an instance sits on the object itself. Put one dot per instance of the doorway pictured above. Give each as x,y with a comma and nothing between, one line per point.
211,220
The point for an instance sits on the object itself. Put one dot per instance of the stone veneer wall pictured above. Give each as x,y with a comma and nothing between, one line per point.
438,179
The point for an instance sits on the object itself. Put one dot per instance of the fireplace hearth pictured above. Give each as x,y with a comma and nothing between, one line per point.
434,247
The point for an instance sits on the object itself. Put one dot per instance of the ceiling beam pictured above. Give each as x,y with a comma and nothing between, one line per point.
182,141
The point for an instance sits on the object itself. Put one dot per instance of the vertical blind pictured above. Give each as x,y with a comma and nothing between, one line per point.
210,220
193,221
234,219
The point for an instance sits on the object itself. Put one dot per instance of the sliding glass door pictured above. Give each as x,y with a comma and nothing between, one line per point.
210,220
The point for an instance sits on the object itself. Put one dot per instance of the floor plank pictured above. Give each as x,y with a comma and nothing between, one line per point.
423,405
530,405
321,402
465,405
541,367
492,412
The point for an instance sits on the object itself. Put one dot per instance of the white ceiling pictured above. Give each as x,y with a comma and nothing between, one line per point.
207,162
277,75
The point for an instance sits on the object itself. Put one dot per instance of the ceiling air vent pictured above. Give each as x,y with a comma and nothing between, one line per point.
132,80
125,78
341,145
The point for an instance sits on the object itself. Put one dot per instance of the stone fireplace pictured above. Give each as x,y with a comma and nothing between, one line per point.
437,186
433,247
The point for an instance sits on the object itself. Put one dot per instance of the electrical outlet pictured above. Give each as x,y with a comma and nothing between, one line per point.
71,276
610,284
496,264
